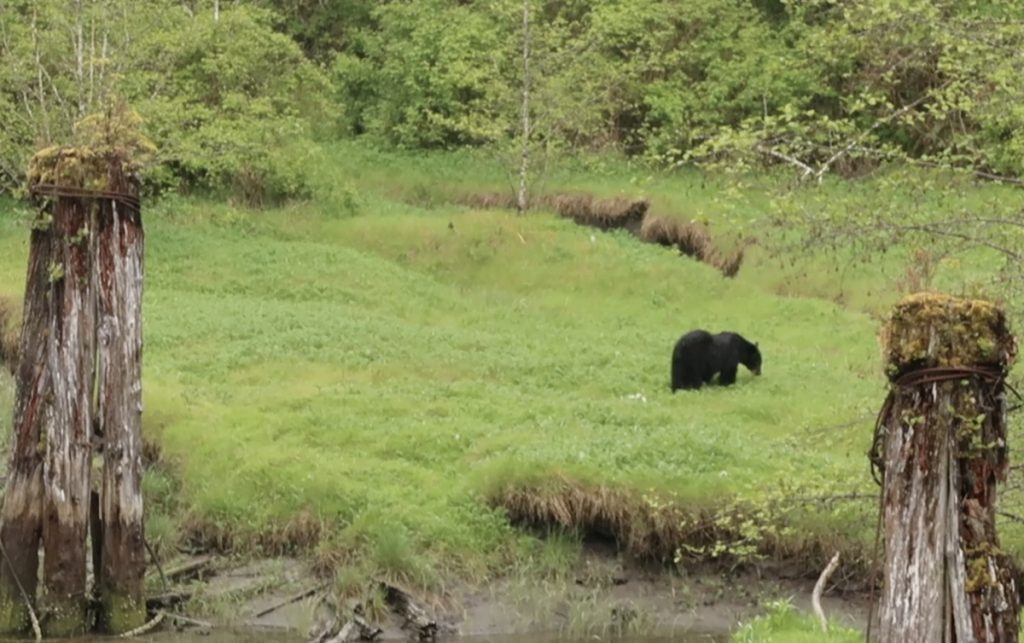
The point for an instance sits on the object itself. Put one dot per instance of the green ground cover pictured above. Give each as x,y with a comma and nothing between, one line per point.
363,370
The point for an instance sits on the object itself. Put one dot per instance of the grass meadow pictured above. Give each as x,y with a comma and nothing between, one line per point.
362,374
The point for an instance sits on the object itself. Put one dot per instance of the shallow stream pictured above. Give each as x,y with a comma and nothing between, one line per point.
261,636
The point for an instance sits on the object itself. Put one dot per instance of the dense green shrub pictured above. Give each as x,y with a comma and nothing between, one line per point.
231,105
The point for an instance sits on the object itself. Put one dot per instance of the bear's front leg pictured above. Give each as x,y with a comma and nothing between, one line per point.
727,376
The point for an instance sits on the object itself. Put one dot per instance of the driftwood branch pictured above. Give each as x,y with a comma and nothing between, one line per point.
156,561
167,600
191,621
415,616
819,587
189,568
294,598
145,627
24,596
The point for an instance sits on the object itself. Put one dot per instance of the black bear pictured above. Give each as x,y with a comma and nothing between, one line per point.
698,355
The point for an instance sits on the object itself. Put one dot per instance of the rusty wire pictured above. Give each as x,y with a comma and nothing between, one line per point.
991,375
50,189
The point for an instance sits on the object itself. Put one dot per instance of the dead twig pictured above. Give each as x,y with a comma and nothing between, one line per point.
289,600
24,595
819,587
191,621
145,627
156,561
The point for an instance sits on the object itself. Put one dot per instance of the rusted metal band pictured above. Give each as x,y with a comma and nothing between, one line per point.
50,189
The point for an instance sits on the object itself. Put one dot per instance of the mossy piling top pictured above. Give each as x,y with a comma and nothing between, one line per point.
936,330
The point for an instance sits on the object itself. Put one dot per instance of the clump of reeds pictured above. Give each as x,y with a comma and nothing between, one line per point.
640,528
299,535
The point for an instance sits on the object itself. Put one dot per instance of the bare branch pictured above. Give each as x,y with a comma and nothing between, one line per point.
807,169
882,121
819,587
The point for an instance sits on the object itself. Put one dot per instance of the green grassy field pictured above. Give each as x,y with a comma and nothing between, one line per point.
362,372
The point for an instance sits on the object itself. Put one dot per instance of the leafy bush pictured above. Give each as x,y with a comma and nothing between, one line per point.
231,105
428,75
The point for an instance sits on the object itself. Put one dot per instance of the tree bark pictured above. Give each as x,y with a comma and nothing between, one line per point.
21,519
120,411
945,451
67,419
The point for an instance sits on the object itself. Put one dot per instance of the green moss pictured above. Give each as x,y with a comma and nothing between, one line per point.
930,329
14,617
64,617
114,136
120,614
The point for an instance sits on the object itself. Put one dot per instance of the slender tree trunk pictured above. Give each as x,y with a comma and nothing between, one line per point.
22,517
522,197
946,578
70,359
120,406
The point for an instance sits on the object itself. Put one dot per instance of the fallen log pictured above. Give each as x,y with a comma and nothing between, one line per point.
415,617
294,598
189,569
167,600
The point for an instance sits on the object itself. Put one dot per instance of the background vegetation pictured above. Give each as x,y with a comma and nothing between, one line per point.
340,358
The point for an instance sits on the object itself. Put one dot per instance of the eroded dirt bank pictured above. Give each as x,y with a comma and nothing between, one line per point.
604,595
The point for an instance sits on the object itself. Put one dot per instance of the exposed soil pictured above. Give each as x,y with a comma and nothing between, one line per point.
603,595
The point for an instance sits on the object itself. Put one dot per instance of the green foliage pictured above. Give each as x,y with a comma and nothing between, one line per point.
230,104
378,370
783,624
427,74
321,28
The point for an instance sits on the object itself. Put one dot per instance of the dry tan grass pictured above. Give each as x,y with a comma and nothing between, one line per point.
649,529
727,262
299,535
604,214
645,530
490,200
693,240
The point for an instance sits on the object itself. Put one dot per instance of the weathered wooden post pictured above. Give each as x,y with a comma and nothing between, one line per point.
67,414
80,367
120,242
21,520
942,444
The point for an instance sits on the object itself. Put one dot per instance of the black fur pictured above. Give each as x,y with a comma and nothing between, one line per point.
699,355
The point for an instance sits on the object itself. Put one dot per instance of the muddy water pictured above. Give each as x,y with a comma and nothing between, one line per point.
261,636
533,638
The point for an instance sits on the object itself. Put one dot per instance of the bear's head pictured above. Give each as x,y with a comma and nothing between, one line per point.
753,359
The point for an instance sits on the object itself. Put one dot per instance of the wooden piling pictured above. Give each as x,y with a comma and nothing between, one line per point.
21,519
67,418
120,260
942,445
79,372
